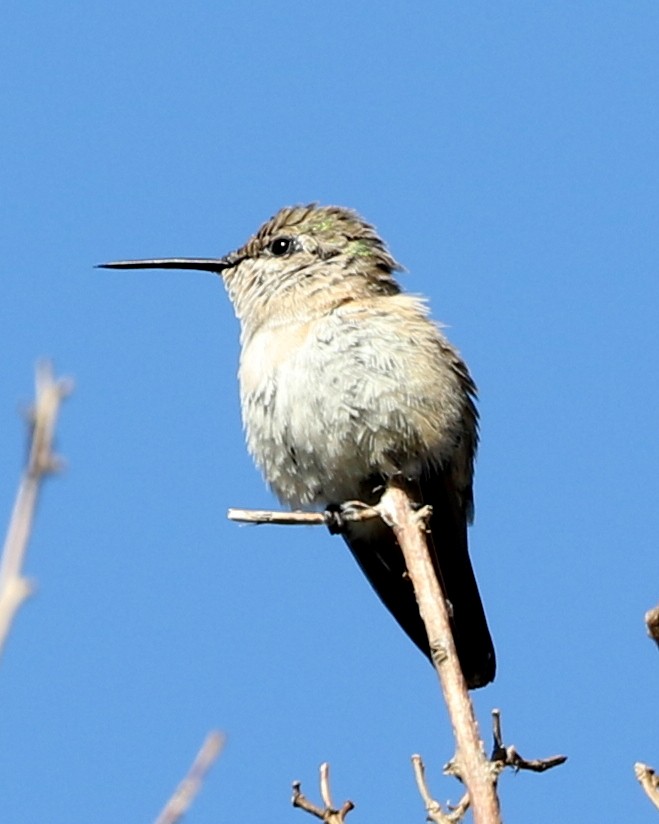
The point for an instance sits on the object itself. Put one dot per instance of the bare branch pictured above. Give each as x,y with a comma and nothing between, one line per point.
14,589
187,790
503,756
354,511
434,808
471,763
266,516
649,780
328,813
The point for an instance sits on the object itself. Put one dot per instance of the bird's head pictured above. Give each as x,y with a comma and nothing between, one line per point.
303,257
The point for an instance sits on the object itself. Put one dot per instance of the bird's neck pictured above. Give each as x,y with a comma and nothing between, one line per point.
304,300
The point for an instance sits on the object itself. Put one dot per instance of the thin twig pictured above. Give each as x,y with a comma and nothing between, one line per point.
266,516
503,756
649,781
325,792
433,807
471,763
14,588
328,813
187,790
358,512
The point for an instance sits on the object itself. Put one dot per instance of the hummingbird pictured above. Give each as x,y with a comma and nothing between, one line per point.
346,383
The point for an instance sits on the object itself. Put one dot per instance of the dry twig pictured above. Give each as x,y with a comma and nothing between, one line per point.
186,791
470,762
503,756
434,808
328,813
14,588
649,780
353,511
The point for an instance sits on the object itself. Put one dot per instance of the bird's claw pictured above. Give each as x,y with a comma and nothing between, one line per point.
334,519
337,516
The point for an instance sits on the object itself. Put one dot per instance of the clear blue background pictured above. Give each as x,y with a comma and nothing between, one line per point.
508,154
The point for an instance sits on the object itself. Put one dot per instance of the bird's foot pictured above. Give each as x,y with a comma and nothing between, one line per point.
334,519
337,516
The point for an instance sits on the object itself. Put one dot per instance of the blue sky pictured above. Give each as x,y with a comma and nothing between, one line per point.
508,154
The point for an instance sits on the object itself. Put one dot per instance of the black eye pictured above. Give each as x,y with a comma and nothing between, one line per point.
281,246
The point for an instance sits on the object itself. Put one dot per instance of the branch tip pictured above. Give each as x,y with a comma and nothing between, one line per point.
327,813
649,780
433,808
503,756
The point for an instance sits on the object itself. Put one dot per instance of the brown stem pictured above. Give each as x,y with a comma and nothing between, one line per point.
507,756
409,526
433,807
358,512
327,813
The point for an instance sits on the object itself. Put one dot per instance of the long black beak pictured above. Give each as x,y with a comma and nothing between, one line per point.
217,265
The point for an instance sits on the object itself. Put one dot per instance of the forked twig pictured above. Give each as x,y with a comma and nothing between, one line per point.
328,813
503,756
433,807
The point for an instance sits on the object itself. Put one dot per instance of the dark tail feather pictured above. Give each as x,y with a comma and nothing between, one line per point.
450,551
376,550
